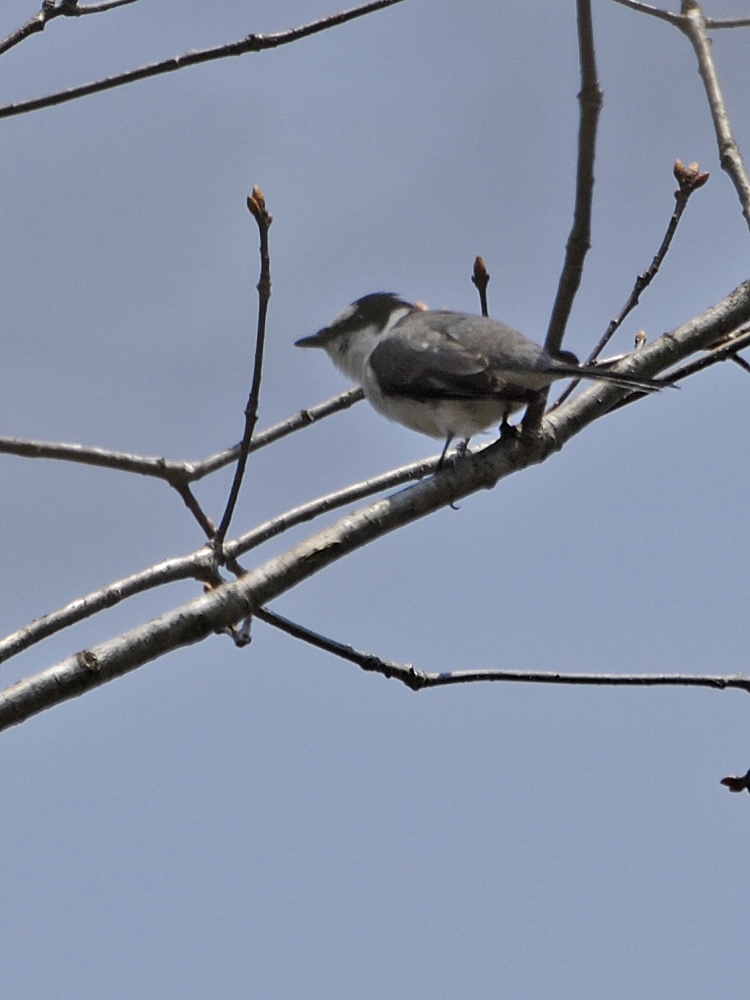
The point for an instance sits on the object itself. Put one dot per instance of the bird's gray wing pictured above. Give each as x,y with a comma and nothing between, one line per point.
425,363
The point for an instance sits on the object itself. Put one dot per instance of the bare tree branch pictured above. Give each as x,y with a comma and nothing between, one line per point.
401,671
252,43
646,8
71,8
579,241
424,680
223,606
678,19
418,680
191,502
158,468
741,362
726,351
199,564
49,11
689,179
303,418
176,472
257,207
693,24
332,501
727,22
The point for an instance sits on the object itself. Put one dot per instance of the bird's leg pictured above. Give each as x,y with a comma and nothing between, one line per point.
441,461
507,429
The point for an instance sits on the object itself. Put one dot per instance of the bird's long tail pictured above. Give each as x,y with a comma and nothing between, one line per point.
623,379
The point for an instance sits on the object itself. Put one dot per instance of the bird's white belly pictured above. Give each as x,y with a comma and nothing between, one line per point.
442,418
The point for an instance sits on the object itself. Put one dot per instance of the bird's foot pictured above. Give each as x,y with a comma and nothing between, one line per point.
509,432
445,461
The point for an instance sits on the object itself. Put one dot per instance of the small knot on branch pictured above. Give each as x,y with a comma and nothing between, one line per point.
89,660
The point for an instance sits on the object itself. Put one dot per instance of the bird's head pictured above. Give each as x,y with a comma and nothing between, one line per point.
373,314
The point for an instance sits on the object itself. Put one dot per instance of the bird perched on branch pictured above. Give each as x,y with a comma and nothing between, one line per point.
446,374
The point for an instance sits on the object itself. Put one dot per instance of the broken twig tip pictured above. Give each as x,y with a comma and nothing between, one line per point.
736,783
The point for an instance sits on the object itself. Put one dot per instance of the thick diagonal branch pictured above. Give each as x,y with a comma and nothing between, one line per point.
231,602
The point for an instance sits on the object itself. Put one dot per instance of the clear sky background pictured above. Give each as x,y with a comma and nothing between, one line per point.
272,822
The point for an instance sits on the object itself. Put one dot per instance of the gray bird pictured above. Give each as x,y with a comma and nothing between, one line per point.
446,374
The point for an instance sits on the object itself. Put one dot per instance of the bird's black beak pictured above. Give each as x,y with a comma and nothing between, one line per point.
314,340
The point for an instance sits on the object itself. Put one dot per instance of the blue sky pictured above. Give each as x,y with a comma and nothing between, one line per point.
271,821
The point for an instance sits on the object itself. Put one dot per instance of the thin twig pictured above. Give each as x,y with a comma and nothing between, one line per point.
176,472
252,43
331,501
257,207
179,474
727,22
417,680
579,241
200,564
677,19
480,279
303,418
49,11
693,24
122,461
725,351
71,8
689,179
414,679
191,502
231,602
196,566
646,8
